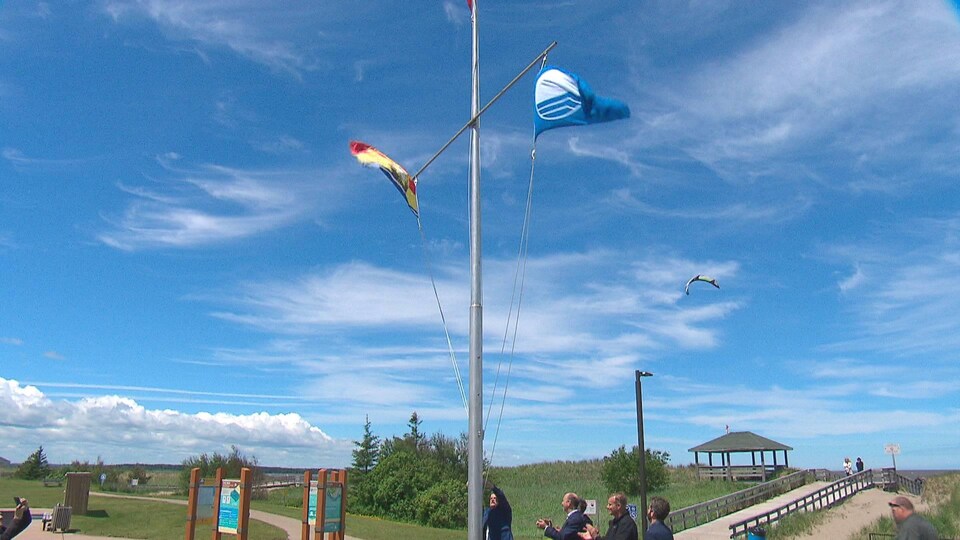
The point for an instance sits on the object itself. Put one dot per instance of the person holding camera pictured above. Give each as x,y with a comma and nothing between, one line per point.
21,520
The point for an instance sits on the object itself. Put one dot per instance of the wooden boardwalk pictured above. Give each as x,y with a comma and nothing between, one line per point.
720,528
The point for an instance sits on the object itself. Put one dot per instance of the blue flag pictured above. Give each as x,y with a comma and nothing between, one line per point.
564,99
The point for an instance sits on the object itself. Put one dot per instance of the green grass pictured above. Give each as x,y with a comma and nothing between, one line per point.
534,491
130,518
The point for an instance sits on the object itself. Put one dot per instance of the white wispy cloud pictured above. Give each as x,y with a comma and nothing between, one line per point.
910,305
19,160
11,341
210,204
605,314
251,29
733,213
820,81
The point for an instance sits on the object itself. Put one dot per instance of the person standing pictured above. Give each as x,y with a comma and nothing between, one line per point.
498,517
583,510
859,464
571,526
658,511
21,520
621,527
847,466
910,526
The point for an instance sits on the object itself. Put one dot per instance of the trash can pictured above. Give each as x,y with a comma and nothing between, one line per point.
755,533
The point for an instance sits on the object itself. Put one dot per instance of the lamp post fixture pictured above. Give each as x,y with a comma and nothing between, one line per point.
643,450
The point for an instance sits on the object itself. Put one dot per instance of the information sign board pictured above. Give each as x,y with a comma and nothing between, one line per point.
229,518
312,504
331,513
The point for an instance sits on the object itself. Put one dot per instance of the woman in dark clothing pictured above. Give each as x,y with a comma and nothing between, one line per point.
498,517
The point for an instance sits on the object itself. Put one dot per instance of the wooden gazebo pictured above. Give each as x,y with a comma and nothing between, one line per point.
739,442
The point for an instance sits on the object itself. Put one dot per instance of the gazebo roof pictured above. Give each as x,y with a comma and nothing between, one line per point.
739,441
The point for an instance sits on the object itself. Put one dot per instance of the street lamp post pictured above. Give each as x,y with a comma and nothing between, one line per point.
643,449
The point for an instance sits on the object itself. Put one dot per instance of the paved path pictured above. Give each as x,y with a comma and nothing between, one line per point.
35,530
720,528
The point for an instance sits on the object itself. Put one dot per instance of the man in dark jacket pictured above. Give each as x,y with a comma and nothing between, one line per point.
658,511
910,526
498,517
621,527
572,526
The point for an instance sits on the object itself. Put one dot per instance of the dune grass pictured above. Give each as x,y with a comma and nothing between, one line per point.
941,493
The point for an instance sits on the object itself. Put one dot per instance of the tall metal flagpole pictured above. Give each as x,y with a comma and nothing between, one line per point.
475,412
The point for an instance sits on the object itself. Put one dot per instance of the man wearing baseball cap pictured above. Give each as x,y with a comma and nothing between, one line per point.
910,526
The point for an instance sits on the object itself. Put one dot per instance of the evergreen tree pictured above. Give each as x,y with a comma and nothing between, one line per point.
415,436
35,467
367,453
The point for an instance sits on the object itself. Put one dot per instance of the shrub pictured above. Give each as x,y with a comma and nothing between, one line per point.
443,506
621,470
231,464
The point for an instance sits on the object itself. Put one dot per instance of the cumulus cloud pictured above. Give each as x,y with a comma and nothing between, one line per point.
118,428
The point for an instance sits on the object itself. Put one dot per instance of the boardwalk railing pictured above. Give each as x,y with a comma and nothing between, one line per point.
698,514
832,495
890,479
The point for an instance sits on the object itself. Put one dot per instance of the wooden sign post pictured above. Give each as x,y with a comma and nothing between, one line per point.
232,505
192,504
331,504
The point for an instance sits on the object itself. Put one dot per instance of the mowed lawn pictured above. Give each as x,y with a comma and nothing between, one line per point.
127,518
534,491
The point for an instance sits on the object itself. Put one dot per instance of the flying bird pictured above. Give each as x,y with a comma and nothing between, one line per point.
700,277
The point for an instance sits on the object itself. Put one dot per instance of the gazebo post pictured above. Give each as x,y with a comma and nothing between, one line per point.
763,464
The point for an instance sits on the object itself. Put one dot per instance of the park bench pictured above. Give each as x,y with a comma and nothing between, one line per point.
50,482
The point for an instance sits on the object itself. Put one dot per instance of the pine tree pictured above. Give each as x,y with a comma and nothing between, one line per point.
35,467
415,436
367,453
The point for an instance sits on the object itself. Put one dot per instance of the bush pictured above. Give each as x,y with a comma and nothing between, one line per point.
396,482
443,506
621,470
231,464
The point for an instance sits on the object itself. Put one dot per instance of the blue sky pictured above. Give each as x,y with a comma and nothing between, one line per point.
190,258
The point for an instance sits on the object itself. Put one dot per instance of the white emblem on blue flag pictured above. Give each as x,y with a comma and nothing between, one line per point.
563,99
557,95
